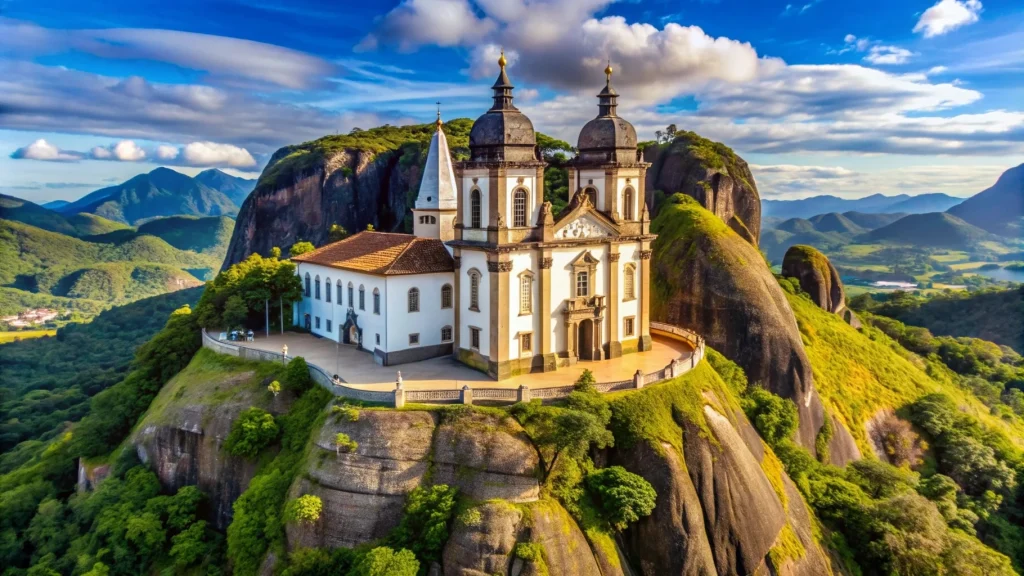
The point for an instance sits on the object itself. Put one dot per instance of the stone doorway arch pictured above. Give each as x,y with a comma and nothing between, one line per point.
585,340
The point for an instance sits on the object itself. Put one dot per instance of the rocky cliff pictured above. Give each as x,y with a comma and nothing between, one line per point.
354,180
712,174
818,278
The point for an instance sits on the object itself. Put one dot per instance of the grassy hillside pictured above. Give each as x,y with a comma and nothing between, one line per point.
90,224
132,267
835,222
18,210
209,235
936,230
872,221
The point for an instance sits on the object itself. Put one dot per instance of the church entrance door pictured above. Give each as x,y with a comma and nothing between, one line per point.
308,322
585,340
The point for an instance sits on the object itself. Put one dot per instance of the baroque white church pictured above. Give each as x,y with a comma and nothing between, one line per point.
490,275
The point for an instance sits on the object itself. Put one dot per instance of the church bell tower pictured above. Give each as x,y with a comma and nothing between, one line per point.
437,203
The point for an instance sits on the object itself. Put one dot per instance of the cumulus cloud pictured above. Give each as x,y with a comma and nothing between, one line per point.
214,154
45,151
166,153
414,23
123,151
877,53
948,15
231,59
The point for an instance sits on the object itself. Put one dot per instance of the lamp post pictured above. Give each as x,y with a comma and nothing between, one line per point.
284,353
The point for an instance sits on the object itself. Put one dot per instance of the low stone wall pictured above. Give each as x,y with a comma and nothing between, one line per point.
400,396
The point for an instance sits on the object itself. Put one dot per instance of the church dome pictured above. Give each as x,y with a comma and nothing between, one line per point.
607,138
503,133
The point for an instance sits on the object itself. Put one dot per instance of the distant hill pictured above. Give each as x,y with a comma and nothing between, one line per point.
235,188
126,266
873,204
162,192
205,235
18,210
835,222
936,229
998,209
55,204
872,221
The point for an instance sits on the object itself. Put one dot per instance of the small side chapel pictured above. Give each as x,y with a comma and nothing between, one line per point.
523,290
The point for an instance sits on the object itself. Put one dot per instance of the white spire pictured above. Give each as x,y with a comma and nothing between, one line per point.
437,189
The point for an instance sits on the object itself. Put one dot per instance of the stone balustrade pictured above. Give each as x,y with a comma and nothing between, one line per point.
466,395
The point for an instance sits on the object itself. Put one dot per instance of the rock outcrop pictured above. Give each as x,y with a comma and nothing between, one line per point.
820,279
711,173
182,439
485,456
707,278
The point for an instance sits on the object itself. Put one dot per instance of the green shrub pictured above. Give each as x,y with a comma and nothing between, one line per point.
300,248
251,432
346,412
383,561
342,442
623,497
296,376
586,381
774,417
305,509
423,528
319,562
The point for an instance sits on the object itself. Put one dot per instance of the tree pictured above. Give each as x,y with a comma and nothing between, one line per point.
296,376
305,509
586,381
623,497
572,434
301,247
275,252
336,233
424,525
383,561
251,432
343,442
235,312
190,545
670,132
274,388
369,227
774,417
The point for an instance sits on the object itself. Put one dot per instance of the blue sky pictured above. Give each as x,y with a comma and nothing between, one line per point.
820,96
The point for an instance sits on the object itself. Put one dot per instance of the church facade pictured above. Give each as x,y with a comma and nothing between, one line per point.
527,290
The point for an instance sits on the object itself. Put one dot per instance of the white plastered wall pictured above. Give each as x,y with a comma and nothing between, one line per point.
519,323
431,317
629,254
483,184
336,312
481,319
529,184
563,286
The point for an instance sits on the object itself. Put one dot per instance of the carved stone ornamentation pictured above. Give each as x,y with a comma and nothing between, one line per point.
545,263
501,221
581,228
613,256
499,266
645,254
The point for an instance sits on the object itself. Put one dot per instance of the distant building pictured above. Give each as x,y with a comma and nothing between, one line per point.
30,317
490,274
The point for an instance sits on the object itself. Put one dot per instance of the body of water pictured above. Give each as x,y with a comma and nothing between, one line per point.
1002,274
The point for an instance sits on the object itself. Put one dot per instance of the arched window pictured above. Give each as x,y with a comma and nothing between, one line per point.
582,283
629,283
351,296
308,288
318,287
526,294
474,290
591,193
627,200
414,300
376,301
446,334
327,290
474,208
446,296
362,297
339,293
519,208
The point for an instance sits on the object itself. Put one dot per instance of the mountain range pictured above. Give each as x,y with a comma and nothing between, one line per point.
164,192
998,209
874,204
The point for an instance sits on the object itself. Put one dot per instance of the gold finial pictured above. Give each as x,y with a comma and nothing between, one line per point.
439,115
608,70
501,59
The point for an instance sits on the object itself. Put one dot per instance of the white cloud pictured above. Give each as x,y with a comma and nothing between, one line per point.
935,70
229,59
214,154
414,23
788,182
123,151
888,55
166,153
45,151
948,15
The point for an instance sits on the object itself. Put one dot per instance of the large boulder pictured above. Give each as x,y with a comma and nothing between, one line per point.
711,173
707,278
817,276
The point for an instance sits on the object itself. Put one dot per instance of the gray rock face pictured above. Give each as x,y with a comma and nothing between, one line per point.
483,546
363,493
712,281
352,188
817,276
721,181
718,513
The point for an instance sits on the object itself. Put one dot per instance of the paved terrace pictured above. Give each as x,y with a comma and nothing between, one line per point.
358,369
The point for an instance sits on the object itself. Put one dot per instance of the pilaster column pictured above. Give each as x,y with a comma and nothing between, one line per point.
614,345
498,270
610,196
545,340
457,298
645,297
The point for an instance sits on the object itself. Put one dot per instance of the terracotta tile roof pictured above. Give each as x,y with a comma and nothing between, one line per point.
383,253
